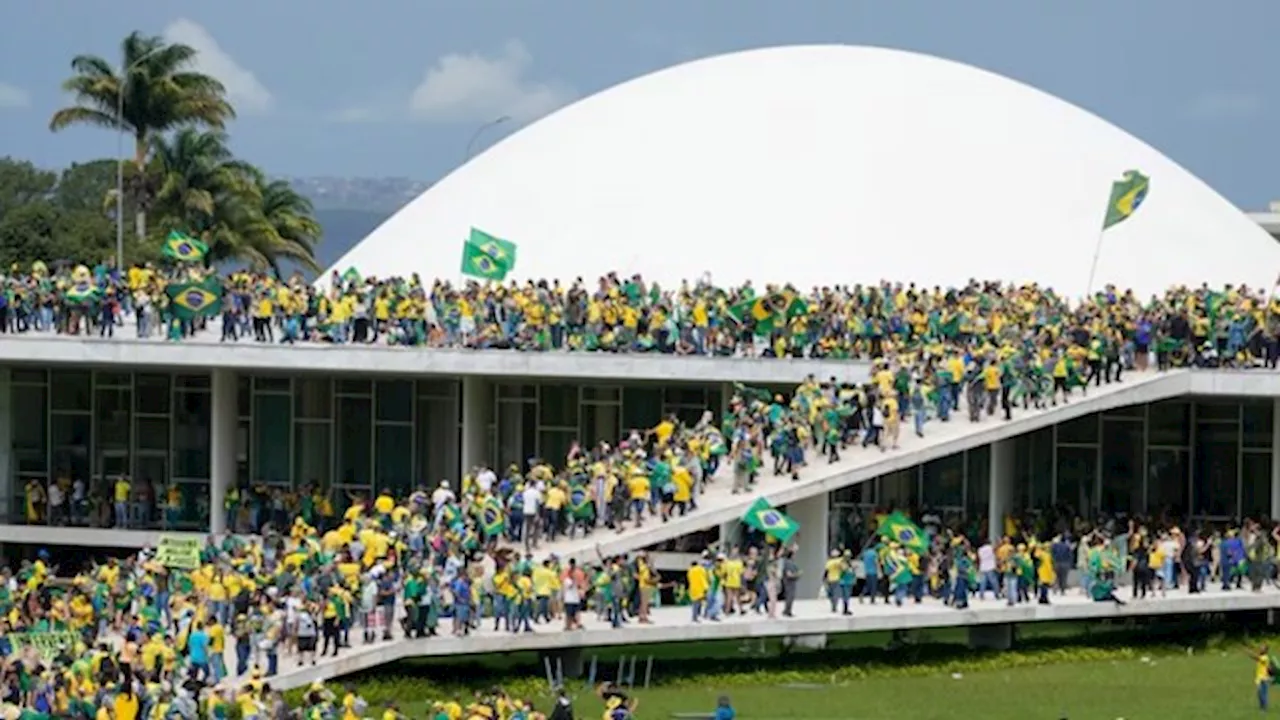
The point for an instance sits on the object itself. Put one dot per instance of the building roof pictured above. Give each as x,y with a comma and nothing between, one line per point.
824,165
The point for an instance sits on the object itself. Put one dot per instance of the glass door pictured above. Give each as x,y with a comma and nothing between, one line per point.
113,465
151,470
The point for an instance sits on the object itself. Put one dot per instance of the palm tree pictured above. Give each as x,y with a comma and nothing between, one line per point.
152,92
229,204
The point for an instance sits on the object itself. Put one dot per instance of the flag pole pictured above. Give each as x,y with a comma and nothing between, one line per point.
1093,268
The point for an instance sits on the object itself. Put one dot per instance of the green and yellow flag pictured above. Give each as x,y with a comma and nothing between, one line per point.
195,299
487,257
898,528
1127,195
769,520
81,293
492,519
769,311
183,248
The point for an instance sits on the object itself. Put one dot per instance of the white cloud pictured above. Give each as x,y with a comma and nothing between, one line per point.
356,114
12,96
244,90
1226,105
473,87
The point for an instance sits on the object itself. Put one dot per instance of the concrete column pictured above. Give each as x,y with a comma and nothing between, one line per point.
726,394
1275,460
223,424
6,441
811,551
1000,500
476,414
729,534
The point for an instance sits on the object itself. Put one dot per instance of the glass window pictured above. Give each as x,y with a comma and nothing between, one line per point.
1170,423
899,489
1255,485
272,438
438,440
394,469
1214,488
602,393
395,400
1080,430
553,445
517,433
1128,411
854,494
978,482
272,383
944,481
69,437
151,394
28,376
71,390
314,443
445,389
29,418
108,378
1226,433
153,432
1122,456
694,396
515,391
312,398
244,401
600,423
193,434
113,414
1258,419
558,406
243,433
195,381
1167,482
641,407
354,386
1217,410
1077,469
355,441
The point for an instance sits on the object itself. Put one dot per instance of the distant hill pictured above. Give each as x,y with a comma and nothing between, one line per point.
343,229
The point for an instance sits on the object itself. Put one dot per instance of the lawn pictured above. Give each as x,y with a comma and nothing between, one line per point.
1191,669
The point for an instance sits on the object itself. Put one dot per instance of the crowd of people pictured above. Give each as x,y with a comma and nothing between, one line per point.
311,574
629,314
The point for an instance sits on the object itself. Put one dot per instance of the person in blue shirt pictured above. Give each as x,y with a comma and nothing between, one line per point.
871,571
198,651
724,711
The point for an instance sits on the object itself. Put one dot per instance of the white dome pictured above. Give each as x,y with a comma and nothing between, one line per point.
822,165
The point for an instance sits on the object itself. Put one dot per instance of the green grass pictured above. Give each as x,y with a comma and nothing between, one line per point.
1171,669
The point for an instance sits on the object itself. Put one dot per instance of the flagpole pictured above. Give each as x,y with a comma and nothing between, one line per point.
1093,269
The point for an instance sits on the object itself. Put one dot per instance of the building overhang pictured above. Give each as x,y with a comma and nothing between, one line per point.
205,354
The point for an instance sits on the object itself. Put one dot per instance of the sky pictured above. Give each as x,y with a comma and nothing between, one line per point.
398,88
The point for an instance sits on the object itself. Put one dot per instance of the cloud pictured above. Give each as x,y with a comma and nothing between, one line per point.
244,90
12,96
357,114
473,87
1226,105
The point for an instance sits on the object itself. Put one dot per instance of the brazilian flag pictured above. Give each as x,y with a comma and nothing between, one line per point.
1127,195
773,522
449,515
81,293
195,299
579,502
769,311
183,248
898,528
487,257
492,519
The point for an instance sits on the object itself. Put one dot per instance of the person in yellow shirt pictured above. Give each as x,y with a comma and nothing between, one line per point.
698,582
545,583
638,491
733,569
121,494
1262,674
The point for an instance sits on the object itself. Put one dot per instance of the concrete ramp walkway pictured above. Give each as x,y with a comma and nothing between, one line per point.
719,505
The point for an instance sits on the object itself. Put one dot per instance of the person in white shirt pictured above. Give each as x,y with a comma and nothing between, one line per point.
442,496
987,571
56,499
486,479
532,507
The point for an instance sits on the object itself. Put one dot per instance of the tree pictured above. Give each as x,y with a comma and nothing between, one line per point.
22,183
154,91
204,190
89,187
